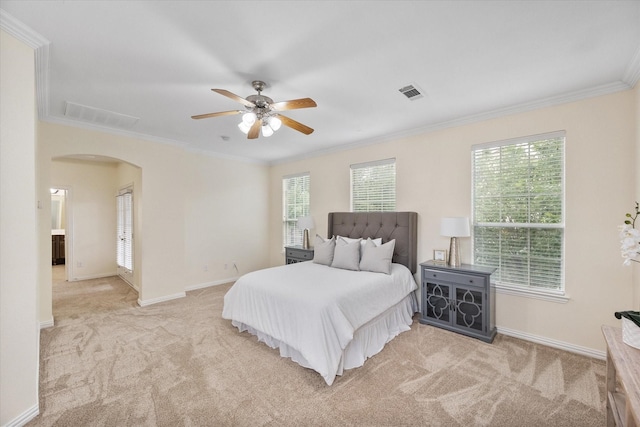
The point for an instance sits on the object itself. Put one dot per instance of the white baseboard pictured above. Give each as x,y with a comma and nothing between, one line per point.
25,417
585,351
144,303
208,284
92,276
46,323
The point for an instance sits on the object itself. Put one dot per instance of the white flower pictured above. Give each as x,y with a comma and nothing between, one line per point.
629,243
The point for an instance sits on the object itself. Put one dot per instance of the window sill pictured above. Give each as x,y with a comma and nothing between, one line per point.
552,296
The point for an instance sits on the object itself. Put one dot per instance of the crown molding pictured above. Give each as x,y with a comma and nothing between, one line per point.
574,96
130,134
40,46
20,31
632,73
42,60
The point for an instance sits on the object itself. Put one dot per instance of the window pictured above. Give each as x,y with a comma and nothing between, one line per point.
295,203
373,186
518,211
124,243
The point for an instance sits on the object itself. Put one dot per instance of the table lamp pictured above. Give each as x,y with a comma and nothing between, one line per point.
305,223
454,228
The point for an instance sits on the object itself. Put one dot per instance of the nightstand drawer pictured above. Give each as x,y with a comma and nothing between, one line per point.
298,254
295,254
462,279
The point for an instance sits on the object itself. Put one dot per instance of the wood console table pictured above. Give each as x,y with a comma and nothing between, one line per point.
623,380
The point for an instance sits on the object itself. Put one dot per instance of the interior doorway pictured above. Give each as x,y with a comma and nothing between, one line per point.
58,225
61,227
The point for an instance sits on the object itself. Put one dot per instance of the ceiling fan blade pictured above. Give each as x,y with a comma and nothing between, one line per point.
221,113
294,104
255,129
234,97
295,125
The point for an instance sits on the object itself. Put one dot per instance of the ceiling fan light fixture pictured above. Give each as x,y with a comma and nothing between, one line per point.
267,131
244,127
261,113
275,123
249,119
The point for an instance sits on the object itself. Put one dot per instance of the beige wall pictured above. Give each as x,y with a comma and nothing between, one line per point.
226,207
434,179
19,255
194,213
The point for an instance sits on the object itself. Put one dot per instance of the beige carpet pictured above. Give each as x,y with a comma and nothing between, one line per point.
108,362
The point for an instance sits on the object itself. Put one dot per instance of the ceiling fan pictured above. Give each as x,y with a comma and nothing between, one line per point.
261,113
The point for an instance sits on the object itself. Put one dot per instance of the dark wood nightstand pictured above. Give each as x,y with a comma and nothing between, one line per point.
295,254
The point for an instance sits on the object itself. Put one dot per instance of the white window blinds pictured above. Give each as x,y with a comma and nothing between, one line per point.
373,186
518,210
124,243
295,204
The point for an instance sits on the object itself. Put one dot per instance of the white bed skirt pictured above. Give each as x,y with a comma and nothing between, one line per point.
367,341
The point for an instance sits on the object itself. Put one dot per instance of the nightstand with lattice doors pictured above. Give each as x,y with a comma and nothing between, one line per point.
459,299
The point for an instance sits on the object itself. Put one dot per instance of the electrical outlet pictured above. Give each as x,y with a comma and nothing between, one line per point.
205,268
226,266
79,264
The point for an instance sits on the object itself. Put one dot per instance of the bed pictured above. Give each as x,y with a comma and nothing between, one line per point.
327,318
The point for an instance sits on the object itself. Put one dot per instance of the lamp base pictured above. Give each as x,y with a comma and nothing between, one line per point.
454,254
305,239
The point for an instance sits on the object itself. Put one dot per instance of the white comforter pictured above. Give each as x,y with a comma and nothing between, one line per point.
313,308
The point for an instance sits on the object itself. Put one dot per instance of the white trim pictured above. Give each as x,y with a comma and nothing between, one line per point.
552,101
552,296
25,417
130,134
92,276
209,284
632,73
382,162
42,79
131,285
144,303
47,323
21,31
40,45
297,175
520,140
584,351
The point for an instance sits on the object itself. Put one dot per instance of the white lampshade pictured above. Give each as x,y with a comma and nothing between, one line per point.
275,123
244,127
455,227
306,222
249,119
266,131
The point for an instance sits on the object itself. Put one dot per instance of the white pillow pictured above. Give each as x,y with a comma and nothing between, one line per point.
377,259
347,254
323,250
377,241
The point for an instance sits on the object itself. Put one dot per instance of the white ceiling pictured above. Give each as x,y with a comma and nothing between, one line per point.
158,60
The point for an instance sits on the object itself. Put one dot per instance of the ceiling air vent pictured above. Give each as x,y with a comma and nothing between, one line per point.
99,117
411,91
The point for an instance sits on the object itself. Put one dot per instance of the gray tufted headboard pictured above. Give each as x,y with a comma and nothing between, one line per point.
402,226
